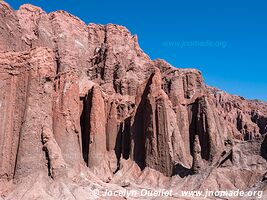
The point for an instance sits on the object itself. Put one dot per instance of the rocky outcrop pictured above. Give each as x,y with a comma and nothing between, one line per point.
97,141
11,33
156,146
27,104
82,104
246,119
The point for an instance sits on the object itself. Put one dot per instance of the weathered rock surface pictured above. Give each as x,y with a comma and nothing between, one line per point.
83,108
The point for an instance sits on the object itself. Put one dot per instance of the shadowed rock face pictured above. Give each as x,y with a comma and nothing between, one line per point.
82,104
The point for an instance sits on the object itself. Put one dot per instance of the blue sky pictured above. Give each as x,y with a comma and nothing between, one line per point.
225,39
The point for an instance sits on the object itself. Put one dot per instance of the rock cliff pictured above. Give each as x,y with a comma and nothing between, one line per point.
83,107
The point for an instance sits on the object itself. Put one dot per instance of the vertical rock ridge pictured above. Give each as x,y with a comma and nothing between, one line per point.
97,145
38,107
157,146
112,129
66,118
13,101
206,134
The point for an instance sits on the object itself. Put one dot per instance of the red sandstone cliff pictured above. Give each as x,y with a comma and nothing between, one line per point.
82,105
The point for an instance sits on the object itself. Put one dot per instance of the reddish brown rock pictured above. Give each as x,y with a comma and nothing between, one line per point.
82,104
30,79
157,145
66,117
112,127
10,32
97,142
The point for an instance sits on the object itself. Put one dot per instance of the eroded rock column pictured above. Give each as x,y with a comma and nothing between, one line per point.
97,144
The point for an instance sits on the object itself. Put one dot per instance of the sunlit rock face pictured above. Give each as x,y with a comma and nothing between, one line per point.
83,107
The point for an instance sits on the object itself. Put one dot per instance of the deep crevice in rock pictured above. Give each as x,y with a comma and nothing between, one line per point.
126,138
46,156
182,171
85,125
100,58
57,63
123,140
192,109
204,138
118,145
226,156
260,121
139,136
